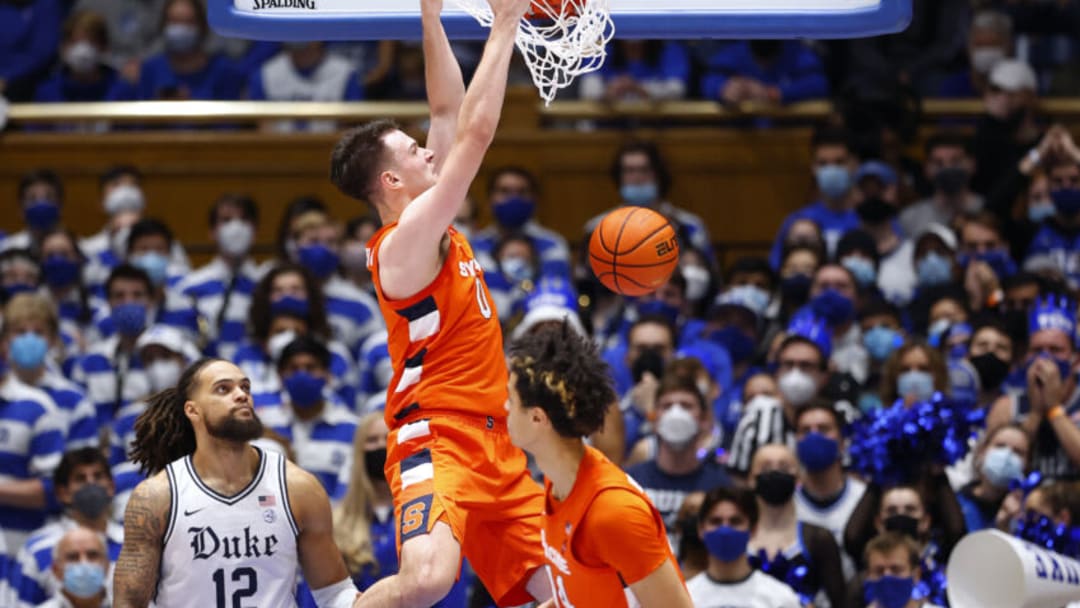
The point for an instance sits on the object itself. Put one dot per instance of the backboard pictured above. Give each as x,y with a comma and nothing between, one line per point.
641,19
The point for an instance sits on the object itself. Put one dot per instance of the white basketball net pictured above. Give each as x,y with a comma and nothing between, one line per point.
560,42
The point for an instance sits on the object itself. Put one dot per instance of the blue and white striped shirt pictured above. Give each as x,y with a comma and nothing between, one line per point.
353,314
550,246
125,473
82,421
32,578
261,371
32,434
103,370
376,370
200,296
323,446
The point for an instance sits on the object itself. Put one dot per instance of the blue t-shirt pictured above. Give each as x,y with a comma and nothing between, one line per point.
667,492
218,79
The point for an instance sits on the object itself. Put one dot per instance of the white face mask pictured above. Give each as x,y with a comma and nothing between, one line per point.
797,387
697,282
163,374
677,427
278,342
234,237
82,57
124,198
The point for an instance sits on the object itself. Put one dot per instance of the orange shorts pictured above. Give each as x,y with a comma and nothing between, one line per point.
464,471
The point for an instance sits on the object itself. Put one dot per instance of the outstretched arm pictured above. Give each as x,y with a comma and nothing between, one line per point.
409,257
135,577
445,86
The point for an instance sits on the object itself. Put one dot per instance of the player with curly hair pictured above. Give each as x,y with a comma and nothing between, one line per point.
603,540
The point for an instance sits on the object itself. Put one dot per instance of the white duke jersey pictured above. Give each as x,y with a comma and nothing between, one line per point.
229,552
834,517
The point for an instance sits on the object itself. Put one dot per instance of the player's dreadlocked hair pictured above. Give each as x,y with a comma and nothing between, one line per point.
162,432
559,371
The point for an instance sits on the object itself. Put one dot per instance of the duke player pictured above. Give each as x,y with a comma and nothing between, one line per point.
460,487
221,522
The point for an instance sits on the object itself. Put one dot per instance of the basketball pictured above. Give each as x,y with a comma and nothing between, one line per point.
633,251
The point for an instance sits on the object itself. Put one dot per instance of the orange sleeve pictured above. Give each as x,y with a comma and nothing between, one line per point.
620,530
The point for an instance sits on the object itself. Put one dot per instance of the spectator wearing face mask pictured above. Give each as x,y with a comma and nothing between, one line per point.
949,166
83,74
111,371
990,356
516,273
882,334
801,373
62,265
858,252
878,188
185,70
834,299
1056,245
513,193
782,543
29,33
641,174
1002,457
936,271
214,301
892,574
313,240
927,513
827,495
164,353
650,347
989,41
35,431
1047,406
318,425
833,162
305,71
913,374
677,468
287,303
80,561
797,269
19,273
30,332
726,521
85,487
148,247
984,259
41,196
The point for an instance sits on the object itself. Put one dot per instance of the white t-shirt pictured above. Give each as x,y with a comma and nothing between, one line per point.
759,590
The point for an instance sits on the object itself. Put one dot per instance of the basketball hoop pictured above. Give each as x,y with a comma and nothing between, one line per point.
560,39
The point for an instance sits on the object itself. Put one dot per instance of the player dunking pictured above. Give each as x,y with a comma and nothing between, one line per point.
221,522
603,540
460,486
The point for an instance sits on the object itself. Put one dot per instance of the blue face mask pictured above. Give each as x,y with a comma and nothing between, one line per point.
934,269
862,268
739,346
42,215
60,272
1038,214
517,269
834,181
1066,201
832,306
658,307
305,390
726,543
84,579
881,341
155,264
514,212
297,307
129,319
817,452
889,591
795,288
639,194
915,383
319,259
28,350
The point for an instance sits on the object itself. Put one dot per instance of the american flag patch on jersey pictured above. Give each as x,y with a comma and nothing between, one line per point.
267,501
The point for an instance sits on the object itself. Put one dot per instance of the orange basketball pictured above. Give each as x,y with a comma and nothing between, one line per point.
633,251
546,9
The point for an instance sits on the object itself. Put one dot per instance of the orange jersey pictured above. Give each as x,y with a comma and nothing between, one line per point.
605,536
445,342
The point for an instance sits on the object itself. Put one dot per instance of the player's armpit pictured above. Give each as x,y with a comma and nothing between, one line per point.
320,558
662,589
136,573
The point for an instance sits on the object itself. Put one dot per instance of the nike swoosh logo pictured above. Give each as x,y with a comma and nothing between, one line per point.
190,513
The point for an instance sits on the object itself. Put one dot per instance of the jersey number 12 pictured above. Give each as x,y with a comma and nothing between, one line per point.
250,587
